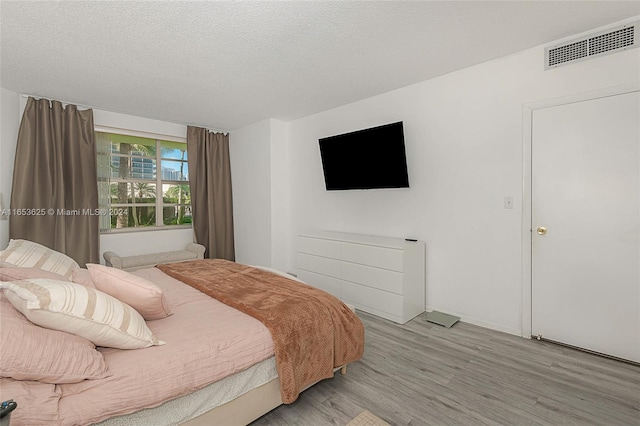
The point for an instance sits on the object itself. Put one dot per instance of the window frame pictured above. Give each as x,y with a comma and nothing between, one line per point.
159,203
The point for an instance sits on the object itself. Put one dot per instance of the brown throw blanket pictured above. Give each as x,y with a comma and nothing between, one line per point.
313,332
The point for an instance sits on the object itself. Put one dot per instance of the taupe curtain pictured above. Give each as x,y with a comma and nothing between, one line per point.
210,181
54,180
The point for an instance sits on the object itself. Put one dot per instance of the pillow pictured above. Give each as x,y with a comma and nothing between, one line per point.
29,352
82,276
25,253
80,310
142,295
14,273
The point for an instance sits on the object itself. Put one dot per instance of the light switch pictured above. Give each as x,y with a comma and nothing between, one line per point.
508,201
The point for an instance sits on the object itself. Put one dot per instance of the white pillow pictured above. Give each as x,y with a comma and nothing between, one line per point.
27,254
80,310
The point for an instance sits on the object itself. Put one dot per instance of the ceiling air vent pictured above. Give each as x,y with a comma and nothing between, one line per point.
597,44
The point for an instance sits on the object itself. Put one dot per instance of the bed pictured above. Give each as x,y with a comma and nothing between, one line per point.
211,363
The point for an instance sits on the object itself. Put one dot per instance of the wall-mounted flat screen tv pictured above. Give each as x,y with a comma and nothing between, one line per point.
365,159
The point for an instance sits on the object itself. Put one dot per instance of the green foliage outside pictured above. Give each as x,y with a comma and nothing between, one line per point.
142,193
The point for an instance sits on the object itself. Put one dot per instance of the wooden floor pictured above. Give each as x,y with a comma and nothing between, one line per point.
423,374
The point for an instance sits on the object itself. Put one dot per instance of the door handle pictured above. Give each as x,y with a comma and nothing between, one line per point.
541,230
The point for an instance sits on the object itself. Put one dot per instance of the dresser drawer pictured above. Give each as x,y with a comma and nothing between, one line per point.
382,279
318,264
373,298
323,282
380,275
319,247
380,257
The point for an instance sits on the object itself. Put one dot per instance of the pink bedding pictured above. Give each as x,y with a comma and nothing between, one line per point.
193,357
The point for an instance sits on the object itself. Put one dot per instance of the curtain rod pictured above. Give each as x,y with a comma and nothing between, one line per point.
25,95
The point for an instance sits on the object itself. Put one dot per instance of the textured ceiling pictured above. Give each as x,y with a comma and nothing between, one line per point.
224,65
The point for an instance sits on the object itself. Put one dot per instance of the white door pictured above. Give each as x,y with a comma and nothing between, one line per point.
585,192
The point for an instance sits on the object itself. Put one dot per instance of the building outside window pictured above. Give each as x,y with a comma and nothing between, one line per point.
143,183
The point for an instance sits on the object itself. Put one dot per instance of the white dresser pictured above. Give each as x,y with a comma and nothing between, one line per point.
380,275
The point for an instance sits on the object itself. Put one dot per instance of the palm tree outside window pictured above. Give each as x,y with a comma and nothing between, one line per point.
143,183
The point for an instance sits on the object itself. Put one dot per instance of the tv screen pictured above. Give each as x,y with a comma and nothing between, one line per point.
365,159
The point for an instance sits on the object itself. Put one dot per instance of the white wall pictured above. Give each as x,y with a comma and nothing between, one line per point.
141,124
280,196
250,152
463,134
260,177
9,125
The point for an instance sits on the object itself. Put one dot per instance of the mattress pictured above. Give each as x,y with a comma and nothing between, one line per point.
182,409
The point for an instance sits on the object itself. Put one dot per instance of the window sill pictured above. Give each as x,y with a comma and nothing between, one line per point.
144,229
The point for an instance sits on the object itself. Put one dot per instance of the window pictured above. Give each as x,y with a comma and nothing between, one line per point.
142,182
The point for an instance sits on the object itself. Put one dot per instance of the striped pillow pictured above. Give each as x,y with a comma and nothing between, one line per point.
80,310
27,254
31,352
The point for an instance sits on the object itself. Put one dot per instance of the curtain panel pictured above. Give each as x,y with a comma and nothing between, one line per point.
55,181
211,202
